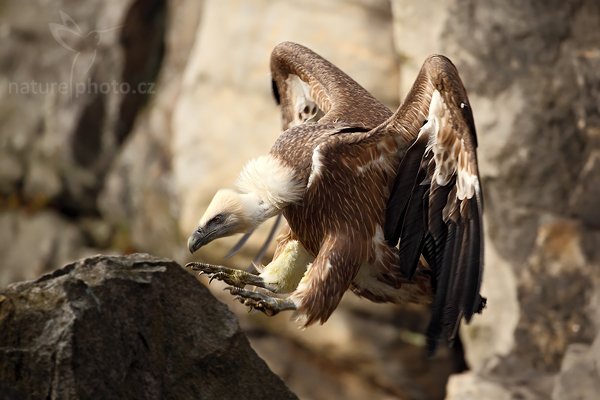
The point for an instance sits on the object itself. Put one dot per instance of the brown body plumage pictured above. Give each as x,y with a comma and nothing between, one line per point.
340,218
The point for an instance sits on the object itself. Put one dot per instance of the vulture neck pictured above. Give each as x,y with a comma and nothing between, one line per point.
257,210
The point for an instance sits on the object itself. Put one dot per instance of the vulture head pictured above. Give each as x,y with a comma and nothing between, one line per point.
228,213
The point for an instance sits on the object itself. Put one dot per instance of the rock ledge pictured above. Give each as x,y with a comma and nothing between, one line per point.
125,327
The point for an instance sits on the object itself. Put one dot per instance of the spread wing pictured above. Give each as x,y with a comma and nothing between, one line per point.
310,88
435,206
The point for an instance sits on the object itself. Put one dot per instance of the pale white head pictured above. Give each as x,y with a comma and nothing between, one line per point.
228,213
265,187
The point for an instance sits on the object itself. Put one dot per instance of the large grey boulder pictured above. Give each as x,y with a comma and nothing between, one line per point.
133,327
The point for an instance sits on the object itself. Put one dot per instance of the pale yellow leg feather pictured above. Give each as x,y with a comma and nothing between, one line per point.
288,268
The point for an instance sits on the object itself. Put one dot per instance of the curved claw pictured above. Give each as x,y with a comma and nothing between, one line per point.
194,266
231,276
261,301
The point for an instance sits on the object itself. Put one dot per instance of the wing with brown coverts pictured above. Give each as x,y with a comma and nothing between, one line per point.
310,88
435,206
340,99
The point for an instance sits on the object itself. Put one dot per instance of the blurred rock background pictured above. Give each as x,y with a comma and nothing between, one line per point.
119,120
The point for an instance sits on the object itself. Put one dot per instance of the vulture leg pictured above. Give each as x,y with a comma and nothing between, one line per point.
262,302
281,275
231,276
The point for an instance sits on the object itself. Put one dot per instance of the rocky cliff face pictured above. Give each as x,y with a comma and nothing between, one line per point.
120,171
531,70
74,76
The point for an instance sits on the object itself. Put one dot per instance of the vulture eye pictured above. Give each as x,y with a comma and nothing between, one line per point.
217,219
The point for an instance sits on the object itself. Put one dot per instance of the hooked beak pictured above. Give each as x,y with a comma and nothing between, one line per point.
198,239
217,227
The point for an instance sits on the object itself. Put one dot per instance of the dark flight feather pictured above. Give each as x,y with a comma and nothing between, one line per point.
442,274
404,184
413,231
275,91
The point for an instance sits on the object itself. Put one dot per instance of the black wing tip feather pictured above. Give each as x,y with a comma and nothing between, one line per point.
275,91
407,180
412,236
480,304
458,276
437,324
474,269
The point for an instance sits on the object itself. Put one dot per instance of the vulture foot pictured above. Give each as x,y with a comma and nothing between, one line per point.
262,302
230,276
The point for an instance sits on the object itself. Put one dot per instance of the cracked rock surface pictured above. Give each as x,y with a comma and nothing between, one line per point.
125,327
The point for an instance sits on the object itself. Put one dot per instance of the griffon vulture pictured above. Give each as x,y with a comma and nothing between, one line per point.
386,205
